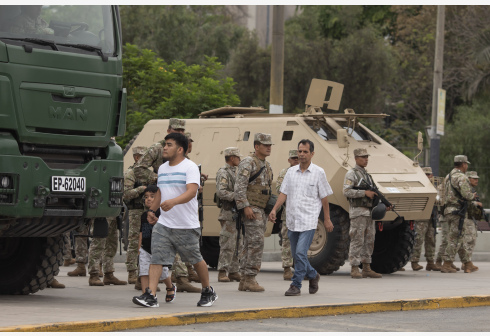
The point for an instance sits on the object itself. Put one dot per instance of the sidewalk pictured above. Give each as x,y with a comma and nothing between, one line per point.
80,307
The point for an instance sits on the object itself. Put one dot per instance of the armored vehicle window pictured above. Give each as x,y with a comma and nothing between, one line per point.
322,129
77,29
246,135
358,133
287,135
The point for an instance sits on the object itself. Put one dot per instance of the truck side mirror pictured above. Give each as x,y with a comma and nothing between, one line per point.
342,138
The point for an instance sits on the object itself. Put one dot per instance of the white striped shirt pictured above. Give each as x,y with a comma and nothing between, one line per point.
304,191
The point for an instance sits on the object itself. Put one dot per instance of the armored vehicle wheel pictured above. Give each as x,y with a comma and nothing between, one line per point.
392,248
210,251
329,250
28,264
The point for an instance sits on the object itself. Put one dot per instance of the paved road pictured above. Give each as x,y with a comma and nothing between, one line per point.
80,302
441,320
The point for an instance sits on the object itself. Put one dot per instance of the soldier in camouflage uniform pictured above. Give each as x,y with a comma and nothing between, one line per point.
30,22
103,250
457,188
362,230
67,257
146,170
425,231
286,256
225,192
81,254
133,197
474,214
251,198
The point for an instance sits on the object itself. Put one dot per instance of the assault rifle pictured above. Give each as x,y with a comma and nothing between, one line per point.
462,214
237,217
434,219
119,222
379,197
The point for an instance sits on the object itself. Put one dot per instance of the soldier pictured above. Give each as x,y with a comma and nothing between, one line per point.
133,194
458,192
424,230
252,192
153,158
81,255
67,257
286,256
469,241
30,22
362,230
225,191
103,250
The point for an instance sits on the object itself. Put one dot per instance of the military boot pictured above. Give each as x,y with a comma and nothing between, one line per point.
241,284
137,285
354,272
251,284
193,275
367,272
447,268
222,277
431,266
184,285
79,271
439,263
416,266
288,274
68,262
469,267
55,284
234,276
101,274
94,280
132,277
110,279
454,267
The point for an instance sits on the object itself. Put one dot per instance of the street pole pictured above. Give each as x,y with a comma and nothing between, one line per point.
277,61
435,140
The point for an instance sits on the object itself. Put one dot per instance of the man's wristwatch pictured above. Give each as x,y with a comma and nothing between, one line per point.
149,210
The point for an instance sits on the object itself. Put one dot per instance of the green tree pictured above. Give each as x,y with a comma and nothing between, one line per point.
160,90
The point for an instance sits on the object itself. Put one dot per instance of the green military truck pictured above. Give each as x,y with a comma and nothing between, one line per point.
61,102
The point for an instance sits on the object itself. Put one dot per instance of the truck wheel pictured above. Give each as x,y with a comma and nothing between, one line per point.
130,143
392,248
329,250
28,264
210,251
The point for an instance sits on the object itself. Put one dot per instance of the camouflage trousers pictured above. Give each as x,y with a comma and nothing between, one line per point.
67,247
286,255
103,250
362,232
133,239
253,242
81,248
228,259
463,244
424,233
444,234
179,267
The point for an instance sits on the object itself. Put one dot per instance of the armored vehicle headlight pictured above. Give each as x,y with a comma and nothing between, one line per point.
6,182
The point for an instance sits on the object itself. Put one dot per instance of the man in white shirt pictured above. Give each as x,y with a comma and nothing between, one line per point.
178,228
305,189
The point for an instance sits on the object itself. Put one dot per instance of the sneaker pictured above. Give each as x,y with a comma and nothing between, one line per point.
208,296
146,299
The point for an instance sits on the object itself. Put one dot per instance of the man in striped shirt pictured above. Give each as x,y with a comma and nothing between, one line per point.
305,189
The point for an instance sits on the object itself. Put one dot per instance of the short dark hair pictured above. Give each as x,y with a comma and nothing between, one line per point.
307,142
151,188
256,143
228,158
458,164
180,140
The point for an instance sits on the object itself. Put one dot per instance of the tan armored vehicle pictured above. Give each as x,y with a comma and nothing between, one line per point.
335,136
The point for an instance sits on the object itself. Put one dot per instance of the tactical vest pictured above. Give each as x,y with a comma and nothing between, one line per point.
258,195
224,204
364,201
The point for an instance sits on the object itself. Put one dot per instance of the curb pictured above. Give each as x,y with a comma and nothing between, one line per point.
256,314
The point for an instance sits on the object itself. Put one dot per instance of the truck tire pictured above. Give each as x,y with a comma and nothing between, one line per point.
329,250
210,251
130,143
392,248
28,264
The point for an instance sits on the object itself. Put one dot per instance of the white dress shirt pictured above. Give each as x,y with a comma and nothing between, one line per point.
304,191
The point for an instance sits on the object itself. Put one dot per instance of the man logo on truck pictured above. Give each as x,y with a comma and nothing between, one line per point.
70,114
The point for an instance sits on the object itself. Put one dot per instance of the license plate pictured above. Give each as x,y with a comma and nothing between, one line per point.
67,184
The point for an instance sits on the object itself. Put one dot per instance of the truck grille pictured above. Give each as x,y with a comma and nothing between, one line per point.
409,203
